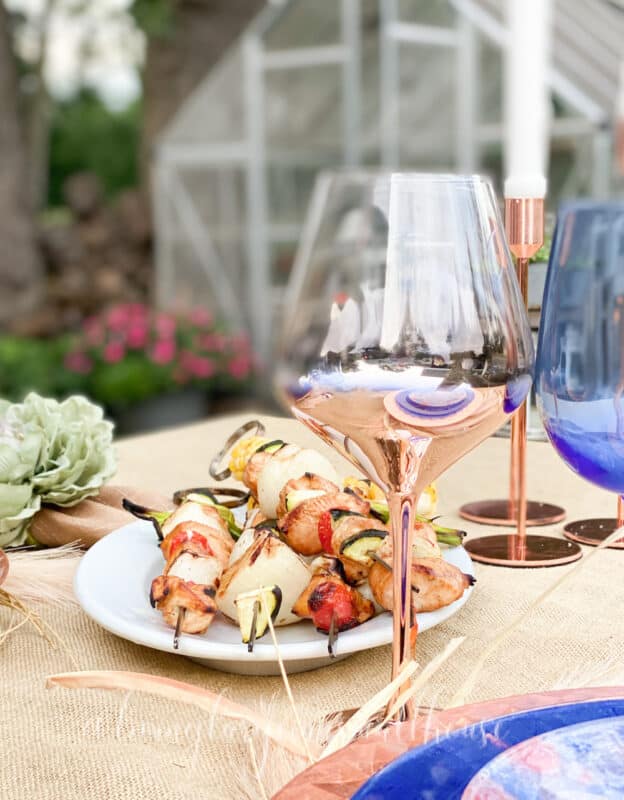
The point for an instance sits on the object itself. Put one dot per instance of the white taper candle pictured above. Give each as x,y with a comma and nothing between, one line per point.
527,103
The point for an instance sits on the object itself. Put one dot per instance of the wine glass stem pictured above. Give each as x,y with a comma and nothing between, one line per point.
402,508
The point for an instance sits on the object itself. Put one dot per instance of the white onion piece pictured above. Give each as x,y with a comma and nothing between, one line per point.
365,590
198,569
242,544
193,512
279,471
274,565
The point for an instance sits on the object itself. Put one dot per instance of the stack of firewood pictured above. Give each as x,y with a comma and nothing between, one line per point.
101,253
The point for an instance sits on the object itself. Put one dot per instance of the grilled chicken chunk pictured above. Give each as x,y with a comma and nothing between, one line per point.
170,593
296,490
435,582
301,525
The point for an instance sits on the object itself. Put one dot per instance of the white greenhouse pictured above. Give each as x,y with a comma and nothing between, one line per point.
316,84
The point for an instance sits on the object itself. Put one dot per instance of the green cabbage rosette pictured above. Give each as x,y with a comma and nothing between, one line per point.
50,452
77,455
20,450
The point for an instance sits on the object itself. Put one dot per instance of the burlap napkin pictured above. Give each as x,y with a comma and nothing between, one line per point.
92,518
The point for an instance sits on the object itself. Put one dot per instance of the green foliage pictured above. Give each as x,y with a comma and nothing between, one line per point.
127,354
543,254
154,17
35,364
86,135
129,381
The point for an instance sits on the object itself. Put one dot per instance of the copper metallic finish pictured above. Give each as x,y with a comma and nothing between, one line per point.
511,550
401,517
524,226
498,512
517,472
594,531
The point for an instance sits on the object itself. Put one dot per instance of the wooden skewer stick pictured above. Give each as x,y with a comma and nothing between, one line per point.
178,628
333,637
379,560
254,630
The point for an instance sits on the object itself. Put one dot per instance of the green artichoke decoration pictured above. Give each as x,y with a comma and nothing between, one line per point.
50,452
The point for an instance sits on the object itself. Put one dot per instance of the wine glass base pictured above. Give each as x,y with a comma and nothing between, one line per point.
505,550
496,512
593,532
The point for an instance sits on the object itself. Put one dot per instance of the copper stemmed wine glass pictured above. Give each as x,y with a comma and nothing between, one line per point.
405,341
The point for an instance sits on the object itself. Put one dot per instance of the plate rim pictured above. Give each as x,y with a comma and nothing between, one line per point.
203,648
468,732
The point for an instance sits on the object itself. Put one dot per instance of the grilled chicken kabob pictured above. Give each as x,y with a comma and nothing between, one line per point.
316,516
196,544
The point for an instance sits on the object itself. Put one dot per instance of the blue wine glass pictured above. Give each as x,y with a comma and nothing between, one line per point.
580,361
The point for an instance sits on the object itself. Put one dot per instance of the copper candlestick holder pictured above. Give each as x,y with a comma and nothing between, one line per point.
594,531
524,226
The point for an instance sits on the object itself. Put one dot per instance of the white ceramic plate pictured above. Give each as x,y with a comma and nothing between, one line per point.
112,584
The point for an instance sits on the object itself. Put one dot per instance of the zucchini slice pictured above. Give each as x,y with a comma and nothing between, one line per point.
359,546
271,447
338,514
380,510
253,610
226,514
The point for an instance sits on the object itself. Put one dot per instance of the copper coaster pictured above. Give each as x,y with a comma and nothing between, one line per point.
506,550
593,532
496,512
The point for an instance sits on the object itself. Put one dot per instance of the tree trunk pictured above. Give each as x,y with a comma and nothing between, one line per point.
21,283
37,117
202,32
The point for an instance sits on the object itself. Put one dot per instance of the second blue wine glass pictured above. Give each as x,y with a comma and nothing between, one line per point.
580,361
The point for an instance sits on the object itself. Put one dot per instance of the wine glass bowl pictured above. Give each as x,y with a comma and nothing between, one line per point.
580,367
405,341
404,322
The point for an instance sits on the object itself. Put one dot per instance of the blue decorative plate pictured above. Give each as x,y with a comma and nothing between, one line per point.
578,762
441,770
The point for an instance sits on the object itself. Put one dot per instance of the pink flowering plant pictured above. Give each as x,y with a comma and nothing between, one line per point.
131,352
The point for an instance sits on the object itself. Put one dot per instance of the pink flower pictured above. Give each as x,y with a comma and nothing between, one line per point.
196,366
163,351
202,367
94,331
200,316
137,335
118,317
240,366
137,312
165,326
114,352
214,342
78,362
187,360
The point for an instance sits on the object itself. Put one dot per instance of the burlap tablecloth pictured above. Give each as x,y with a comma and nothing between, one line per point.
88,744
